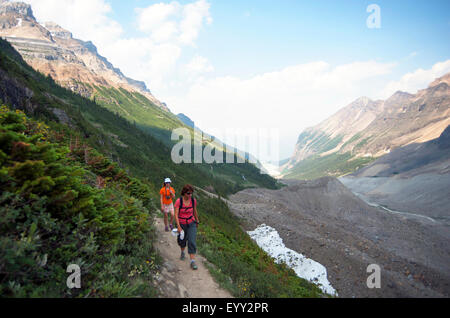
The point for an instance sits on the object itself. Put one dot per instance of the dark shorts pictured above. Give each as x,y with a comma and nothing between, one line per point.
190,237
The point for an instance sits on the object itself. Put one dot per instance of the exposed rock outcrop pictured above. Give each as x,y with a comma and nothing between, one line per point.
367,128
53,51
15,94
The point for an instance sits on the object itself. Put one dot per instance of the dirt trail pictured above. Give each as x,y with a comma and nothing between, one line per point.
177,279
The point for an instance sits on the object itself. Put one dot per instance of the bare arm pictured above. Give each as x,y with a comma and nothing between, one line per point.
196,214
177,210
162,206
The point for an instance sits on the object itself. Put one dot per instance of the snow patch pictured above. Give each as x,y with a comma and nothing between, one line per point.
270,241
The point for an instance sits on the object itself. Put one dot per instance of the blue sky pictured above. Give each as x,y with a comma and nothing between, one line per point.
277,64
250,37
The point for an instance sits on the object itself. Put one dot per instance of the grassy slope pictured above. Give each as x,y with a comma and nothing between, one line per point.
136,108
335,164
332,165
142,154
251,272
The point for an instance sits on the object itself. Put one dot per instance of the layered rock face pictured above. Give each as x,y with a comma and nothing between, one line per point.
372,129
53,51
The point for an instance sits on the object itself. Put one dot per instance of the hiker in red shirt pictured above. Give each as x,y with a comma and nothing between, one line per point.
167,196
186,217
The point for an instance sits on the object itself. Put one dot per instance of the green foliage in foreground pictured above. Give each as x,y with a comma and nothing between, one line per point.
334,165
239,264
61,206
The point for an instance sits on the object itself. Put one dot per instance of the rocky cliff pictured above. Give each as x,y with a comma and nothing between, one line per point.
53,51
366,129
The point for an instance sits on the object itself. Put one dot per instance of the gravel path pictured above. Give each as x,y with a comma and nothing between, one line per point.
176,278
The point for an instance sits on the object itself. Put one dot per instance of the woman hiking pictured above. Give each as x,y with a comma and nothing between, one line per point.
167,195
186,217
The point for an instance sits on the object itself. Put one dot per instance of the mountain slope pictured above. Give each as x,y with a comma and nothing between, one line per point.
53,51
366,130
186,120
112,151
22,88
76,65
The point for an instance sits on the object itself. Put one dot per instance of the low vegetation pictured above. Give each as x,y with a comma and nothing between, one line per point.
79,185
62,206
334,165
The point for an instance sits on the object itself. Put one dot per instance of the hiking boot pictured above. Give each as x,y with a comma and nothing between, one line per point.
194,266
171,227
167,229
183,256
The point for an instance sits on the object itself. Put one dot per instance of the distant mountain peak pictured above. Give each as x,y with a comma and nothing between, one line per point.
17,8
58,31
399,96
365,130
443,79
186,120
363,99
52,50
402,94
361,102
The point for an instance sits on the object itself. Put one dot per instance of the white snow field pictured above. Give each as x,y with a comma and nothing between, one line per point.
270,241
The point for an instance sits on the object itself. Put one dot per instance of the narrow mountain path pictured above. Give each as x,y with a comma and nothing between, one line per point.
177,279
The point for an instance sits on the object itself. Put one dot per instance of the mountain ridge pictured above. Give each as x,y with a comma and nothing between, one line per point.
365,130
52,50
113,149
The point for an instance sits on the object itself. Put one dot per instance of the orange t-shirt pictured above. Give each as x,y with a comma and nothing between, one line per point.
167,198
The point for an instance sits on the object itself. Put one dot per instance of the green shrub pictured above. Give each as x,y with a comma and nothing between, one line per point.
51,216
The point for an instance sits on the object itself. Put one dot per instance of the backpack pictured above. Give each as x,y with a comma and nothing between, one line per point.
181,206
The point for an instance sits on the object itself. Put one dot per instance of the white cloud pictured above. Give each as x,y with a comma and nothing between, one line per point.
156,20
73,14
194,14
199,65
173,21
167,28
414,81
152,17
290,99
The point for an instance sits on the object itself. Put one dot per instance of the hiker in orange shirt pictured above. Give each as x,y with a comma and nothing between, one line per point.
167,196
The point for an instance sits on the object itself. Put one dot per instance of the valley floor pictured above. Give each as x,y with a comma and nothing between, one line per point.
324,221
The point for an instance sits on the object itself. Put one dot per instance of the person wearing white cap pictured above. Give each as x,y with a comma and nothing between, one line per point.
167,197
